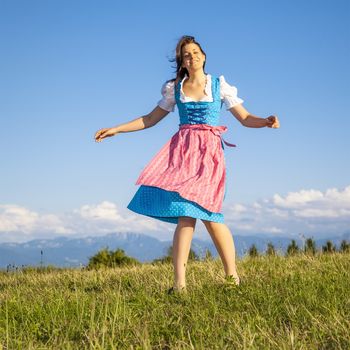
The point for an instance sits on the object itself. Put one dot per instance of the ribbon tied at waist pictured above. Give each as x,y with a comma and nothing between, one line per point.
216,130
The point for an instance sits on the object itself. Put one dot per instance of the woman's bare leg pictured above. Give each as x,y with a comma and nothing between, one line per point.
224,244
181,249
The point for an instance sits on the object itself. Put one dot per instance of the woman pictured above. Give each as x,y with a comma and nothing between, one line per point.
185,181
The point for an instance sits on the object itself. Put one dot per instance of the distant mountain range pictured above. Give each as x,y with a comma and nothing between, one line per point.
73,252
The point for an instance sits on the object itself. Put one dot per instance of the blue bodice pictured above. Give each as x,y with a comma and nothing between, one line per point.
200,112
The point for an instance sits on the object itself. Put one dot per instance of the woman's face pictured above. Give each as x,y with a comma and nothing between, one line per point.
192,57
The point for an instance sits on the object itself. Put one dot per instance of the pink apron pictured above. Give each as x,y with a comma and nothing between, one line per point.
191,163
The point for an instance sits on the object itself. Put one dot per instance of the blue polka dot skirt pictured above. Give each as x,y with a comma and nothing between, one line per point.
168,206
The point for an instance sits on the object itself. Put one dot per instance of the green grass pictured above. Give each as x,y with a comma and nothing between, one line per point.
298,302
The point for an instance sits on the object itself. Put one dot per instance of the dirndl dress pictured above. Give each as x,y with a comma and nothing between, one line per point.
187,176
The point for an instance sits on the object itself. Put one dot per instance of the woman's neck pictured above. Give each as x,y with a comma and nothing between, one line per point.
196,76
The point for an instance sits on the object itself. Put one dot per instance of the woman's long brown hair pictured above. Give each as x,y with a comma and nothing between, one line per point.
180,71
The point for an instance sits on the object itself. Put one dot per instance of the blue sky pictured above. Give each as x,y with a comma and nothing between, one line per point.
69,68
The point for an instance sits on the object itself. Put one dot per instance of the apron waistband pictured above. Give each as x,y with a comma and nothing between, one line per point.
216,130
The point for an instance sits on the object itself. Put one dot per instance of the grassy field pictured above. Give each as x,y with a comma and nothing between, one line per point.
300,302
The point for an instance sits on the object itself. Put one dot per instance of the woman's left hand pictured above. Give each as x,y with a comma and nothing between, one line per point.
273,122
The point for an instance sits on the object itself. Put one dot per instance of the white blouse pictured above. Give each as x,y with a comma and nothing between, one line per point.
228,94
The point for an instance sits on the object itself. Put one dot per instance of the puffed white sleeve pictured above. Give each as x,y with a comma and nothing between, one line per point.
228,94
168,97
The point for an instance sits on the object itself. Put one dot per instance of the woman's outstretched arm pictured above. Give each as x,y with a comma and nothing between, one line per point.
140,123
252,121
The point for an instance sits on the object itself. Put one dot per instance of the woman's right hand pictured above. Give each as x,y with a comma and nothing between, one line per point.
103,133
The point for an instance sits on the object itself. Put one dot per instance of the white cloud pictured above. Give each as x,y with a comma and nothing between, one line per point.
20,224
103,211
256,205
310,212
319,213
277,212
331,200
244,227
297,199
106,217
271,229
15,218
